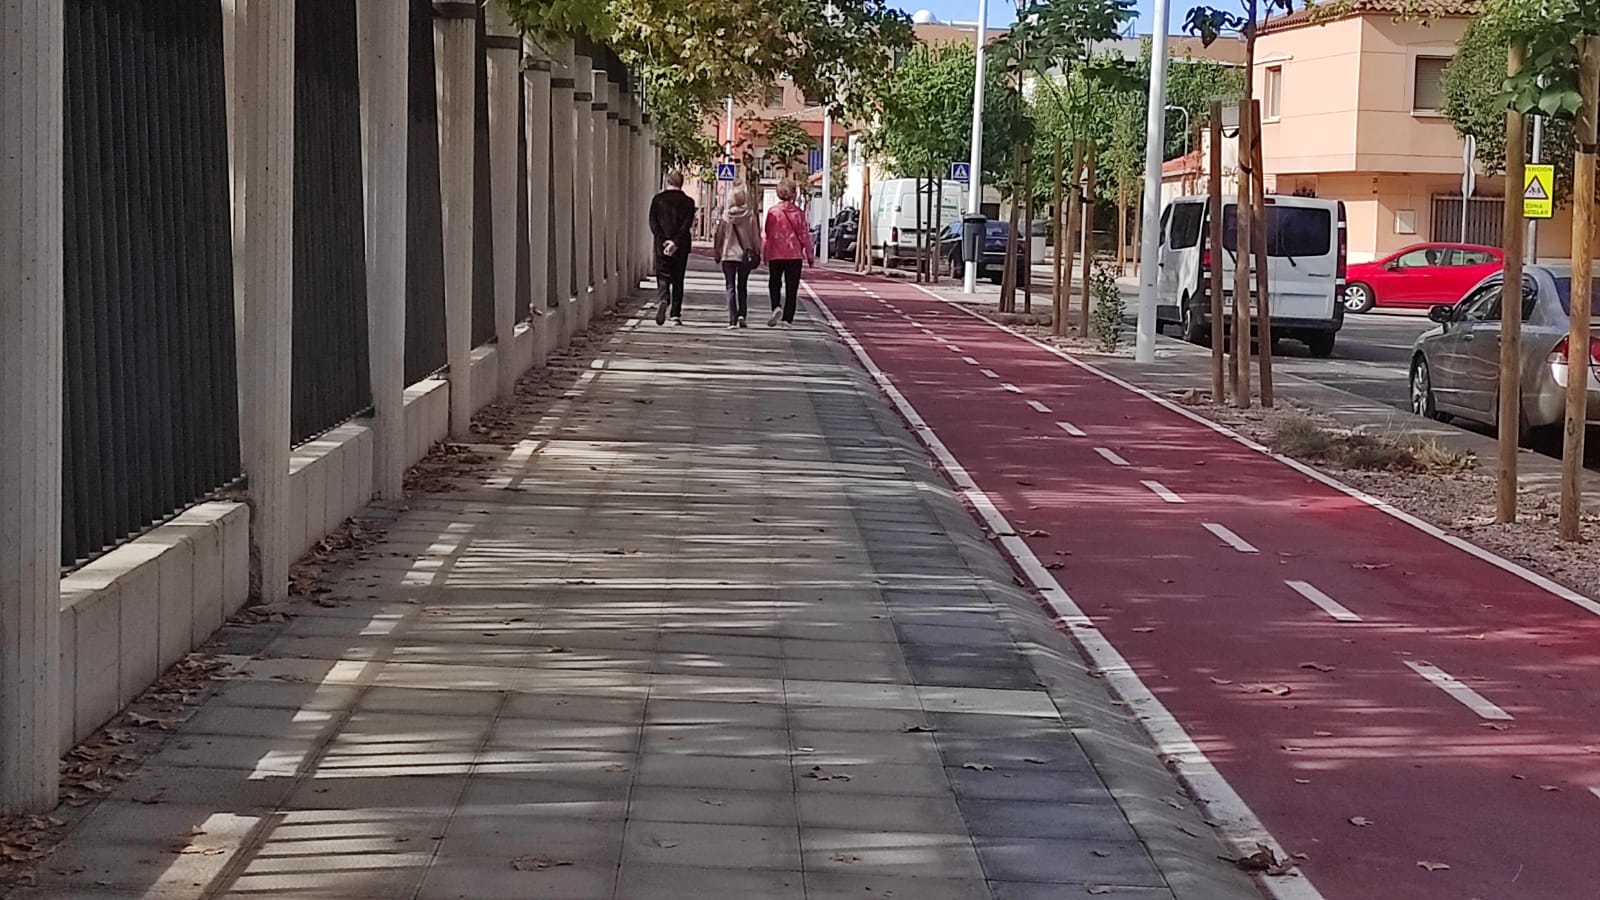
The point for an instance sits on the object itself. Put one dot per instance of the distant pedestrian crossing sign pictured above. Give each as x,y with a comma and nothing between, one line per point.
1538,192
727,172
961,172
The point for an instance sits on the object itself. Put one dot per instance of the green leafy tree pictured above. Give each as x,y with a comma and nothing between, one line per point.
787,142
1478,92
690,55
926,117
1211,22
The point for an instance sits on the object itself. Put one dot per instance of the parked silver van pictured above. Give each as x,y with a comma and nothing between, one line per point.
1305,274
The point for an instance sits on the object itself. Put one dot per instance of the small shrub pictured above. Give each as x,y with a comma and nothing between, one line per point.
1303,438
1106,316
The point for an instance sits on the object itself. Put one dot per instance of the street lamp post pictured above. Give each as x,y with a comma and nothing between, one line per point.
969,283
1154,143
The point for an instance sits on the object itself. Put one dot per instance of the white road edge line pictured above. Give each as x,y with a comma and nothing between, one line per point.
1327,604
1465,546
1071,429
1006,385
1459,692
1237,824
1039,407
1229,538
1161,490
1111,456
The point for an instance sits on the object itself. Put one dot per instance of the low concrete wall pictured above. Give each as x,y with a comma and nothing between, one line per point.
131,614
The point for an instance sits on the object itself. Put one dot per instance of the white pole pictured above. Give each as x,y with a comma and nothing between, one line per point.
1538,157
969,283
1154,142
827,181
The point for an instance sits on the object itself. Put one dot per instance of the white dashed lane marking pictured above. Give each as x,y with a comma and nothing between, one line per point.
1160,490
1327,604
1011,387
988,373
969,360
1071,429
1459,692
1111,456
1229,538
1039,407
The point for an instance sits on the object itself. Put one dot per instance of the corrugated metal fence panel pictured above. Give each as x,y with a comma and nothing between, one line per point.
1484,220
151,408
482,202
330,382
425,347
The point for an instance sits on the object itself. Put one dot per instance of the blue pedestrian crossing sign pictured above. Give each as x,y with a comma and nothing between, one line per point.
961,172
727,172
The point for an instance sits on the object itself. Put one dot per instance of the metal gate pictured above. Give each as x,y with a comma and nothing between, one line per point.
1484,220
150,409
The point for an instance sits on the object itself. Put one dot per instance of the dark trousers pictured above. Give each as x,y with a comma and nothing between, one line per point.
784,285
736,285
669,282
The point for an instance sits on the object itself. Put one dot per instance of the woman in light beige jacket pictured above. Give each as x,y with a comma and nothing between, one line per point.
737,246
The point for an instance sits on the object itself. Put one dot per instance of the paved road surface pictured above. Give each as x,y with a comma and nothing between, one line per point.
1370,360
1383,702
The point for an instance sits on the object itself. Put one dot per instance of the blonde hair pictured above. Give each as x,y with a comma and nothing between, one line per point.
738,197
786,190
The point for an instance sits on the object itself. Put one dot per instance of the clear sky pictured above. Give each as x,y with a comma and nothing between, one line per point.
1002,12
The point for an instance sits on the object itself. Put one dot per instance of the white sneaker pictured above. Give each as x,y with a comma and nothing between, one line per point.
777,315
786,325
742,323
677,320
732,325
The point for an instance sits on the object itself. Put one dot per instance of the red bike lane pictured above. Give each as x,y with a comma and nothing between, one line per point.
1387,704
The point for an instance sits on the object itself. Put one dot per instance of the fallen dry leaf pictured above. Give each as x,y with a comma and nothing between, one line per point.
1263,860
1316,667
1360,821
1432,866
1095,889
845,858
665,844
536,863
712,801
918,729
978,767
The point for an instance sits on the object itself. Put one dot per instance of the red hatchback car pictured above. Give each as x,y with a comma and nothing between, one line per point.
1421,276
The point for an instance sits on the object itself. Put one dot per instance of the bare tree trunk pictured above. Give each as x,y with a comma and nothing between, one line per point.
1241,265
917,195
1058,239
1122,228
1074,208
1087,227
1578,349
1027,237
1008,277
1258,238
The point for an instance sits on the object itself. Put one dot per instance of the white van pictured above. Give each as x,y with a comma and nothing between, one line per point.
1305,268
894,216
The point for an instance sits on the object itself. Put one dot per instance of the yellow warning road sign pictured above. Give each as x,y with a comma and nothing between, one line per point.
1538,192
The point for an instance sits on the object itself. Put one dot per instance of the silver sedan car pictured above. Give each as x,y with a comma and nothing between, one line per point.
1455,368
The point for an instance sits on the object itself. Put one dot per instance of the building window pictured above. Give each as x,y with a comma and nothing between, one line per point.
775,97
1428,86
1274,102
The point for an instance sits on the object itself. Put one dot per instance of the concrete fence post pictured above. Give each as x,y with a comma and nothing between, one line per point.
536,85
602,186
455,37
504,49
630,208
31,328
385,36
262,154
564,161
618,193
583,187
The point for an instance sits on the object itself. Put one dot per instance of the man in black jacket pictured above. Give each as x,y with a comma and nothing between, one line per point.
671,217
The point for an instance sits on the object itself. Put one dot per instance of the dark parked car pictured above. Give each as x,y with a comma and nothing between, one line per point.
992,264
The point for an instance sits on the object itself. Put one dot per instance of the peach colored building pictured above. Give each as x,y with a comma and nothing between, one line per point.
1351,111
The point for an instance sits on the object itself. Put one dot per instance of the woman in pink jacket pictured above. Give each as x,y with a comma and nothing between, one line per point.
787,245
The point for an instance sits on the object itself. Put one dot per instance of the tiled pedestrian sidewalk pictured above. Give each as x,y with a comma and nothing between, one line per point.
715,629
